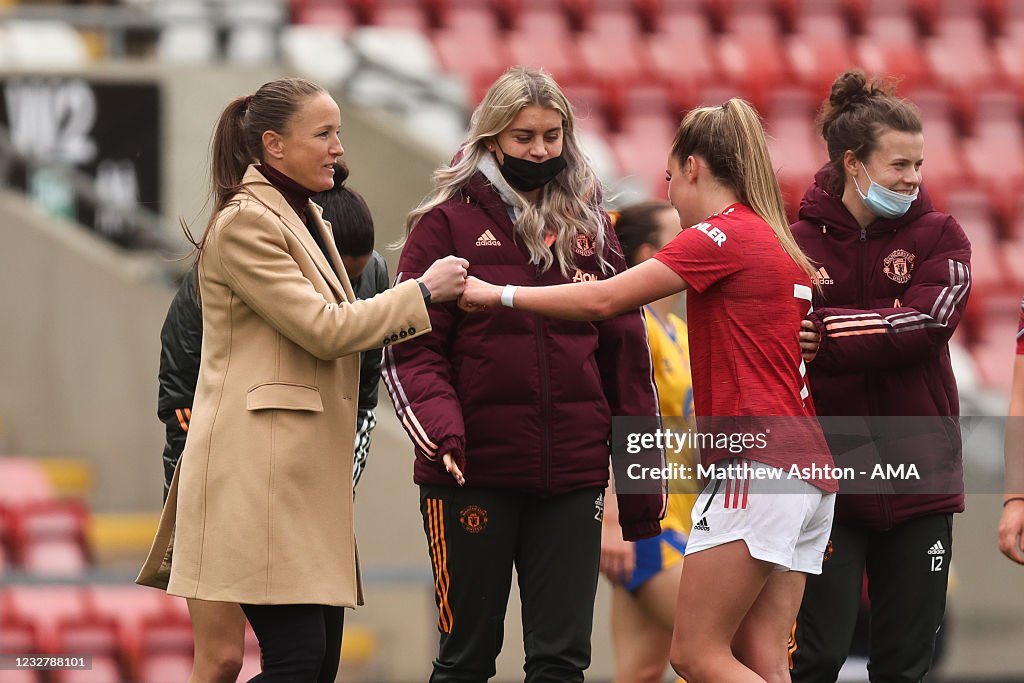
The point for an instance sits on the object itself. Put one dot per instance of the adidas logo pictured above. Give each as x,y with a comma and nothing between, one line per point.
937,549
822,277
487,239
702,525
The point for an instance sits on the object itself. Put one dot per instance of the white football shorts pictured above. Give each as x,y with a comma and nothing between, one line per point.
786,523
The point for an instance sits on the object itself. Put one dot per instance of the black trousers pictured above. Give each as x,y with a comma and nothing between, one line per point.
475,536
299,643
907,571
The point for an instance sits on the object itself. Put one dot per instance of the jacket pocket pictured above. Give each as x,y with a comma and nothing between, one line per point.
284,396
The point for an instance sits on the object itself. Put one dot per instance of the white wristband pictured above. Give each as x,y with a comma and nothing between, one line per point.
507,295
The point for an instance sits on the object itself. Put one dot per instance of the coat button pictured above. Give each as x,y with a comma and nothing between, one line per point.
394,337
402,334
386,341
412,330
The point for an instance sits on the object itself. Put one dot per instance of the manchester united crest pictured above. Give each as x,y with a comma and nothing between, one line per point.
898,266
584,245
473,519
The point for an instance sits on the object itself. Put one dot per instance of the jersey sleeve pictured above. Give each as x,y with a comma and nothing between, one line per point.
702,255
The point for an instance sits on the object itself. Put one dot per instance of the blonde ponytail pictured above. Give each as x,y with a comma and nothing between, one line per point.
730,138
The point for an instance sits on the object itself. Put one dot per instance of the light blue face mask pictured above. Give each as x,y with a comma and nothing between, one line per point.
883,202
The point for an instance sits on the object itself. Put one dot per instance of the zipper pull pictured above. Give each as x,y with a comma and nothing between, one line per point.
863,234
823,229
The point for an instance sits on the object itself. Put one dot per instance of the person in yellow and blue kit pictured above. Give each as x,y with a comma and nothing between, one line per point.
645,574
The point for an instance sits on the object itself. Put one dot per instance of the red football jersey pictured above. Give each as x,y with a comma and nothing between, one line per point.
746,300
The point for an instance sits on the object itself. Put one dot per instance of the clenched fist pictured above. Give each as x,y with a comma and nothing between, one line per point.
445,278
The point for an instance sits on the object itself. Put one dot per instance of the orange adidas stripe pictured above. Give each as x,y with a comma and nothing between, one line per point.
792,646
434,557
181,420
439,553
444,568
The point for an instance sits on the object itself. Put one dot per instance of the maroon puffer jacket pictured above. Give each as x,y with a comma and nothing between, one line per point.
892,296
527,400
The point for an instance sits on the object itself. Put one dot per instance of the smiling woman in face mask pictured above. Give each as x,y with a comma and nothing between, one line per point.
893,280
509,413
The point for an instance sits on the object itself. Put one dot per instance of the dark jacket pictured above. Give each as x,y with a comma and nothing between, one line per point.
526,400
891,296
181,339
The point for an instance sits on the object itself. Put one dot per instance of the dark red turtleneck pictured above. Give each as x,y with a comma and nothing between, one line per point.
296,195
298,198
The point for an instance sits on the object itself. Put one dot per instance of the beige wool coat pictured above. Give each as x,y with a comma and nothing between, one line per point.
260,509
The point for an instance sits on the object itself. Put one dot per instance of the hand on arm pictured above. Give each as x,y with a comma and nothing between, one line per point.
810,340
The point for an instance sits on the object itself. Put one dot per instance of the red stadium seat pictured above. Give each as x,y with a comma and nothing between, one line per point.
22,481
471,46
405,16
995,154
558,58
323,13
682,56
49,536
130,606
57,557
1008,53
796,150
945,167
543,19
611,52
165,648
890,47
46,607
971,209
1014,227
95,636
793,13
643,156
994,350
17,635
819,51
750,53
961,61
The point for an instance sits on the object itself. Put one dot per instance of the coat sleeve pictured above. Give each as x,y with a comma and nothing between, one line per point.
251,251
627,374
181,339
853,340
418,374
369,371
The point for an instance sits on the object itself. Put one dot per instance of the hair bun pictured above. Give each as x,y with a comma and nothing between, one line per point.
340,172
849,89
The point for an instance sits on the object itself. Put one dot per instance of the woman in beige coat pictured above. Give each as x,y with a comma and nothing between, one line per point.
260,509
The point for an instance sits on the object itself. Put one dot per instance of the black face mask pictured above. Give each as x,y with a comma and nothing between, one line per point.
527,176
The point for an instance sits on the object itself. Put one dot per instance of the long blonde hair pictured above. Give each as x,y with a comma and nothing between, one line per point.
568,206
731,140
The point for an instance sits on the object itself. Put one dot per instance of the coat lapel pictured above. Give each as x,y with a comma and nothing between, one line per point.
327,235
254,183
